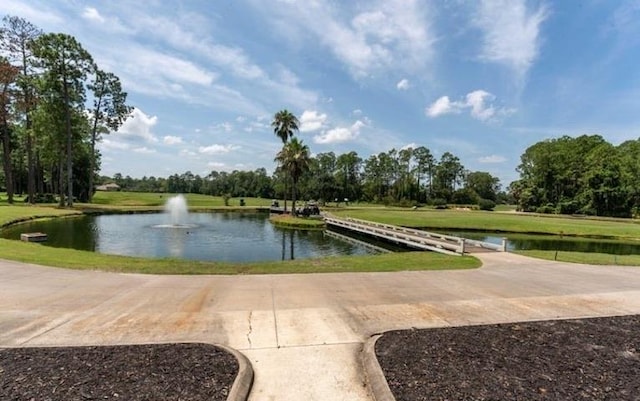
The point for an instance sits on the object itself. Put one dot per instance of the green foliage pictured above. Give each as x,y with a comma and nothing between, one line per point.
486,204
226,198
439,203
584,175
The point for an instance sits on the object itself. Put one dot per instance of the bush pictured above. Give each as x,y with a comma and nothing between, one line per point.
546,209
569,207
439,203
226,198
486,204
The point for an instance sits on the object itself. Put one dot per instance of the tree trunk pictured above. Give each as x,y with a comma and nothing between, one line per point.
293,197
69,145
61,179
7,164
92,158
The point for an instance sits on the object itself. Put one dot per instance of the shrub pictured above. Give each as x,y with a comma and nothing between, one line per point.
439,203
546,209
486,204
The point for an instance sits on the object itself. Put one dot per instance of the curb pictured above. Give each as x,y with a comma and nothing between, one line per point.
374,376
242,384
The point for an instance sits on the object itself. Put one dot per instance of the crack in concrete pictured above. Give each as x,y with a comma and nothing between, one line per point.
250,330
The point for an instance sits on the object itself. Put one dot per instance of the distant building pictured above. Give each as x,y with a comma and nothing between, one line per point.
108,187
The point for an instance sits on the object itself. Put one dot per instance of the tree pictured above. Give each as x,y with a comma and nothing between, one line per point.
16,37
8,75
285,124
66,65
295,160
109,112
448,174
483,184
348,172
424,165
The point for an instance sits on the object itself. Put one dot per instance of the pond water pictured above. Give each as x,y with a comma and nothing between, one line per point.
232,237
522,242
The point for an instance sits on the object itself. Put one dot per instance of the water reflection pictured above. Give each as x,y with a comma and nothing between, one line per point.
236,237
523,242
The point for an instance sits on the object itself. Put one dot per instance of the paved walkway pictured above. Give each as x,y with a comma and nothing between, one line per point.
302,333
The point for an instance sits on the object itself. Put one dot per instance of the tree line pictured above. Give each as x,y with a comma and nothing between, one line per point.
408,176
55,103
582,175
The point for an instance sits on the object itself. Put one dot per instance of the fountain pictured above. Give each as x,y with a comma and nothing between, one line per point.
176,207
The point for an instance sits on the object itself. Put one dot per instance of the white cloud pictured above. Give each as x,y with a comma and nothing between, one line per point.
215,165
216,149
443,106
138,126
403,84
479,102
92,14
340,134
144,150
492,159
172,140
108,144
187,153
311,121
511,32
367,41
411,145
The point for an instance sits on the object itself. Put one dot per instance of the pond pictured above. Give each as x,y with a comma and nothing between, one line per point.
522,242
231,237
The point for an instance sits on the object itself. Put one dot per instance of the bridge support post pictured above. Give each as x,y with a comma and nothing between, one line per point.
504,244
462,244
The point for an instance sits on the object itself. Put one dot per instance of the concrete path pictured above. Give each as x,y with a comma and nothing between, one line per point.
302,333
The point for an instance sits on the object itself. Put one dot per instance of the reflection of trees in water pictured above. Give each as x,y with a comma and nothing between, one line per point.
291,244
527,242
573,245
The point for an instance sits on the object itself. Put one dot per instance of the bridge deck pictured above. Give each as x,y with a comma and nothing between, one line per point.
413,238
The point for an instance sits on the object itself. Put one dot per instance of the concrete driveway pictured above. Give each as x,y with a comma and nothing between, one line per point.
302,333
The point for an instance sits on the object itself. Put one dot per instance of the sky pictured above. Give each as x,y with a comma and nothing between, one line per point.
482,79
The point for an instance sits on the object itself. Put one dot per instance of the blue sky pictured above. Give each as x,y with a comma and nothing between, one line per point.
481,79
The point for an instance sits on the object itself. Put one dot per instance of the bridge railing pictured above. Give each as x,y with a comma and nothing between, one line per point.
414,238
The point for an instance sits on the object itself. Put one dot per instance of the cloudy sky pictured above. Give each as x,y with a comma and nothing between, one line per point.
481,79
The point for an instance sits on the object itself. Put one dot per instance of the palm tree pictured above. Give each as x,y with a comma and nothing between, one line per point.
295,159
284,126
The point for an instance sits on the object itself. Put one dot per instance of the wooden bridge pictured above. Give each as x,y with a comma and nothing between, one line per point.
413,238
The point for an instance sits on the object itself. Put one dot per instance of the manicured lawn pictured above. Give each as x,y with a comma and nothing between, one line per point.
120,199
498,222
68,258
21,212
586,258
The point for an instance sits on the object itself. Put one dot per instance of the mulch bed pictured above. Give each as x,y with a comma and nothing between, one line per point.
129,372
584,359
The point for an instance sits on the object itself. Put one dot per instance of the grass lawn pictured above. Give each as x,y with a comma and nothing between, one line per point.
499,222
120,199
421,218
83,260
586,258
69,258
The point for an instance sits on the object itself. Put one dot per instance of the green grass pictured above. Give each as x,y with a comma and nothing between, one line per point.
499,222
83,260
586,258
145,199
21,212
74,259
287,221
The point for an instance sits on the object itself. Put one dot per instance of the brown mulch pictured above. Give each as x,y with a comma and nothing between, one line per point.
129,372
583,359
